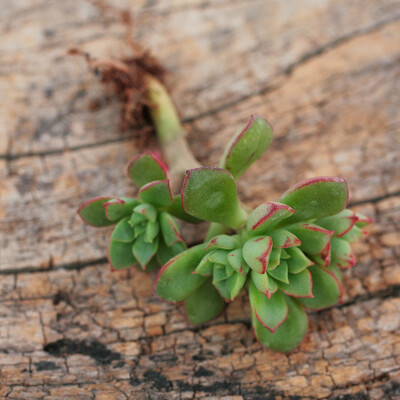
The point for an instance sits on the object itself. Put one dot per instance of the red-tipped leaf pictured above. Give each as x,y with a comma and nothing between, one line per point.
267,216
300,285
146,168
272,312
256,252
316,198
327,289
247,146
175,281
210,194
157,193
92,212
118,208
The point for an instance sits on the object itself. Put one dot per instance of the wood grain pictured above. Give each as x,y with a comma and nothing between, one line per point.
326,74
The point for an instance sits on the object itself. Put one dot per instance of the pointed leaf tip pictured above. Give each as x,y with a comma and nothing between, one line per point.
169,229
300,285
223,242
267,216
288,335
316,198
146,168
92,212
256,253
247,146
270,312
210,193
157,193
327,289
117,208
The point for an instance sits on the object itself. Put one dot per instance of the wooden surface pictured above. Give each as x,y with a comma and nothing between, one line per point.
327,76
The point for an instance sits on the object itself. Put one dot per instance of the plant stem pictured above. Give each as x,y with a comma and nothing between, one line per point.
170,132
215,229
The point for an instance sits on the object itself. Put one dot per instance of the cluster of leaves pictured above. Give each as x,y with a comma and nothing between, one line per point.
288,252
146,234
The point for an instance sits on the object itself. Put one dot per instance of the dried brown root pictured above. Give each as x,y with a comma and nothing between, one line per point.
126,76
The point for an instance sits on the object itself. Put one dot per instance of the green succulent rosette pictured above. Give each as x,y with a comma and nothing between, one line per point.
146,234
287,254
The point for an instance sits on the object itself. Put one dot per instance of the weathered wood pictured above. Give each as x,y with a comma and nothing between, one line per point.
326,74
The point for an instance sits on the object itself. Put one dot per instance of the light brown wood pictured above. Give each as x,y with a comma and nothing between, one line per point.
326,75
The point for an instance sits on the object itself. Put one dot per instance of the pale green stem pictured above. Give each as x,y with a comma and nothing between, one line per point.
170,132
175,149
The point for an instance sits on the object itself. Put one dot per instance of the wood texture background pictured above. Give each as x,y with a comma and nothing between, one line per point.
325,73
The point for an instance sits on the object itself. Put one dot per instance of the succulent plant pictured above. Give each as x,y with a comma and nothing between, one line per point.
146,233
289,252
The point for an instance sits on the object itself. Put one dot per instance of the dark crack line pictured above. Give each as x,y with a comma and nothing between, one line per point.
339,41
263,91
69,266
373,200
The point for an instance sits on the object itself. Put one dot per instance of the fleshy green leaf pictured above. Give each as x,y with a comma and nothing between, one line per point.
169,229
120,255
220,273
283,238
210,194
327,288
342,253
314,239
203,304
123,232
340,223
165,253
92,212
223,242
219,257
316,198
267,216
146,168
284,255
271,313
235,284
323,259
256,252
147,210
144,251
151,232
353,234
289,334
157,193
136,219
177,211
246,146
175,281
264,283
363,220
300,285
151,266
205,266
237,262
140,229
229,288
298,261
118,208
274,258
280,273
